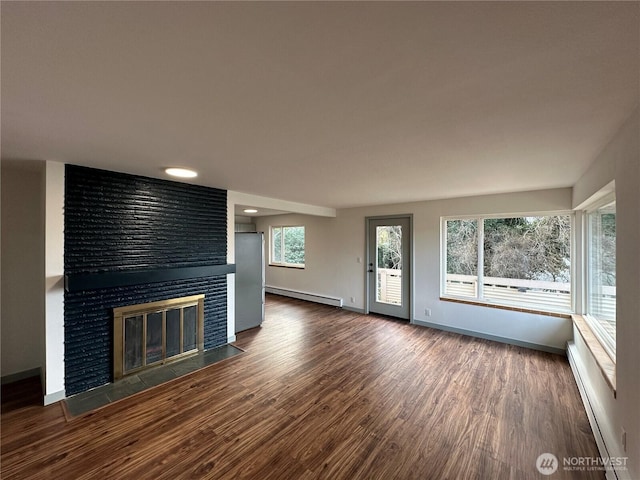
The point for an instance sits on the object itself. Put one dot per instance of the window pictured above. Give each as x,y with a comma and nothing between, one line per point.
287,246
601,272
524,262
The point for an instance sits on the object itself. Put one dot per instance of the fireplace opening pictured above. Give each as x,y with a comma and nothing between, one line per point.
156,333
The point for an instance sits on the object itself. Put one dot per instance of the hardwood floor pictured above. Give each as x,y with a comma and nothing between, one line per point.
322,393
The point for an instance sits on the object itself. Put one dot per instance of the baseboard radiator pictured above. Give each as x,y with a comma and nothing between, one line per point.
311,297
600,433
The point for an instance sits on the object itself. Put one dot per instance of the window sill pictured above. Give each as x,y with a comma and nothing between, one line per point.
506,307
606,364
297,267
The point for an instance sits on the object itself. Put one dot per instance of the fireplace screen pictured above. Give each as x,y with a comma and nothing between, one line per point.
155,333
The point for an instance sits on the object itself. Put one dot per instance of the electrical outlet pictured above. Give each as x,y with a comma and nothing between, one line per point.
353,299
427,312
624,440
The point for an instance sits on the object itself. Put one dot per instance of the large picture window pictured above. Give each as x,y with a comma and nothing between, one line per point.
601,273
523,262
287,246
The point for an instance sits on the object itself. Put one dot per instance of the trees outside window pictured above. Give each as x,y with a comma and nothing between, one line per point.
529,248
462,247
287,246
523,261
601,273
389,240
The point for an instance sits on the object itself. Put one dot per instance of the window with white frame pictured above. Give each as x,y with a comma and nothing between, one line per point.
519,261
601,272
287,246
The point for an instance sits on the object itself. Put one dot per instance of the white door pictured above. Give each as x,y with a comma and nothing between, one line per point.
388,266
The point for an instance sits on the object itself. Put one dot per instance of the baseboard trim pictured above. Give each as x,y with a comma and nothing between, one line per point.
16,377
354,309
495,338
311,297
54,397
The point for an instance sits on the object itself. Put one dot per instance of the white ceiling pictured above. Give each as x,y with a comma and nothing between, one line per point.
330,104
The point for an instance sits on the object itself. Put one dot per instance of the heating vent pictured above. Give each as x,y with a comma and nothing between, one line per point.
311,297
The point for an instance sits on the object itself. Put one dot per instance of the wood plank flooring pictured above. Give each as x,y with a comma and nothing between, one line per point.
321,393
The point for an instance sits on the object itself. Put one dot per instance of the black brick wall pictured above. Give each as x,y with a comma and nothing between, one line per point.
118,222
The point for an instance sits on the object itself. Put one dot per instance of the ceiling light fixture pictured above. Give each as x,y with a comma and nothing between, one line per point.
181,172
250,210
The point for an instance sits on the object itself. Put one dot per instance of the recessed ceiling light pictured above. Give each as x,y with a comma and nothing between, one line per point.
250,210
181,172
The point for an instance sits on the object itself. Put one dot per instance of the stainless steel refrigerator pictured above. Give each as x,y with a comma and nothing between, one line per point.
249,280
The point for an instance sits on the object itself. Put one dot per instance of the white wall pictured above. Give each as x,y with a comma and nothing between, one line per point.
620,162
54,282
22,267
628,280
333,246
231,278
33,272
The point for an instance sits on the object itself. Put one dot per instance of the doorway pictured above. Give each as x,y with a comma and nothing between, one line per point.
389,266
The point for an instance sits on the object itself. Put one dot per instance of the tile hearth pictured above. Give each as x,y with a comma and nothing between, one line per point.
106,394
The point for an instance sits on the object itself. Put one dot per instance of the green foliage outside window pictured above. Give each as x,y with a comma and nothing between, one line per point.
294,245
288,245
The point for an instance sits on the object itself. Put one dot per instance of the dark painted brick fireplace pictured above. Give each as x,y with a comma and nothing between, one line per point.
160,234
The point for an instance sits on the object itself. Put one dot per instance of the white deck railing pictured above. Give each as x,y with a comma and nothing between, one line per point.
390,286
534,294
553,296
